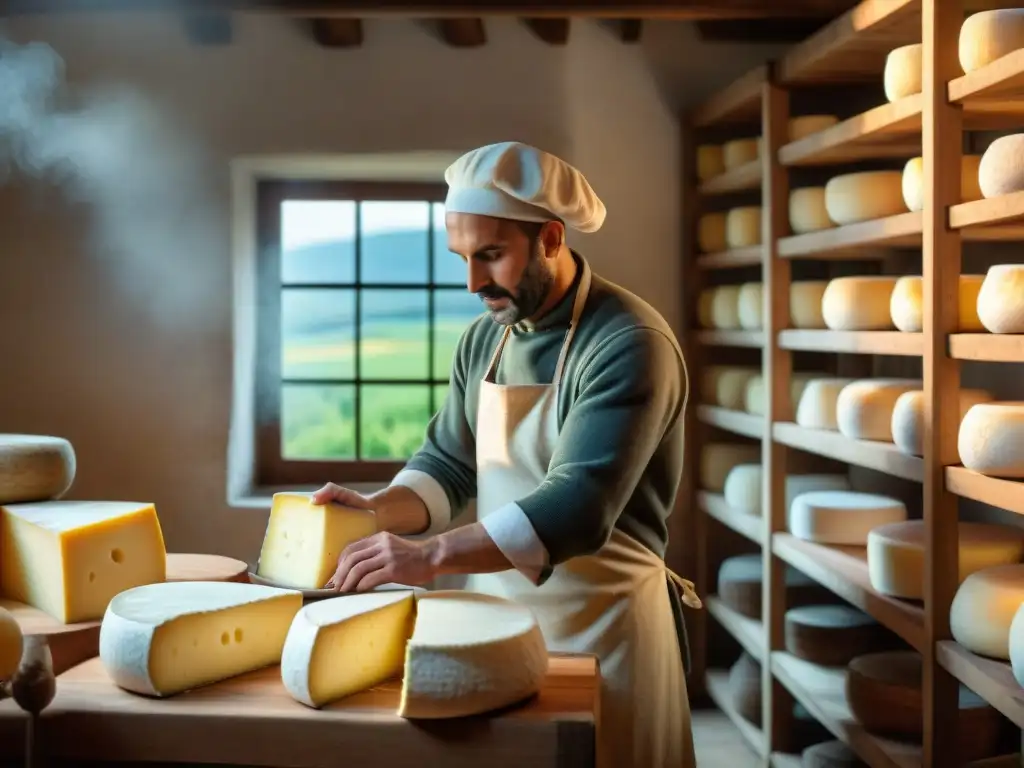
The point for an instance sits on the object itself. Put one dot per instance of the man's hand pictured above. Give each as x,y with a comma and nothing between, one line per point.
382,559
336,493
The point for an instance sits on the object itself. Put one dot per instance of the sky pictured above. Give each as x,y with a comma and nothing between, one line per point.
308,222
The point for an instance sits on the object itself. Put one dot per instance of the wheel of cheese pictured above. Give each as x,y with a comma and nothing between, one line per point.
903,72
35,468
739,586
990,35
832,635
742,489
725,307
983,609
750,306
704,302
858,303
1001,171
745,688
896,554
913,181
864,196
806,125
830,754
717,459
740,152
841,517
908,417
991,439
710,162
864,408
755,398
906,305
725,386
817,406
807,212
1016,643
805,303
11,645
743,226
184,567
1001,299
711,232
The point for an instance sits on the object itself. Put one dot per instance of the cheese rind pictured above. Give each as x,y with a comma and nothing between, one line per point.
864,408
1001,171
704,304
807,211
711,232
832,635
162,639
740,152
710,162
913,181
903,72
858,303
864,196
841,517
749,306
743,487
725,307
726,386
991,439
983,609
1016,645
906,306
805,303
11,645
818,403
754,398
908,417
35,468
1001,299
990,35
743,226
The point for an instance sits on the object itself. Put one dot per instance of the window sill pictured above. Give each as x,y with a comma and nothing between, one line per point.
260,497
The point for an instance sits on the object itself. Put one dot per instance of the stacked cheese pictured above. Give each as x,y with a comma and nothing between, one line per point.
906,304
841,517
743,489
991,439
724,230
1001,298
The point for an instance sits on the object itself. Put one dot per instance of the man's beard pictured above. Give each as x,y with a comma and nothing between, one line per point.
529,295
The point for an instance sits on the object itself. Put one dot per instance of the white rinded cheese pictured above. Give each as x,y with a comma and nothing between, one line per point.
11,645
710,162
725,307
1002,166
906,306
816,408
908,417
864,408
903,72
807,212
1001,299
740,152
896,554
913,181
754,400
991,439
983,609
35,468
858,303
1016,643
743,487
805,303
990,35
743,226
717,459
705,301
864,196
304,540
749,306
711,232
725,385
69,558
162,639
841,517
806,125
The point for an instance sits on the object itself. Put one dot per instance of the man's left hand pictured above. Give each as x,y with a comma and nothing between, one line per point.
382,559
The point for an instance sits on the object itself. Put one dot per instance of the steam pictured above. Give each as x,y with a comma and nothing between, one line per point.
152,219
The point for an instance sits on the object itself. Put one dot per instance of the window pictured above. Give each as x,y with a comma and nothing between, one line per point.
361,306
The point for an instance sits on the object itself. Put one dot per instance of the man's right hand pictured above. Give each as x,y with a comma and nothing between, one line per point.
339,495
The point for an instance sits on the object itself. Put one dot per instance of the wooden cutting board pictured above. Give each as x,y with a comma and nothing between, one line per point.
185,567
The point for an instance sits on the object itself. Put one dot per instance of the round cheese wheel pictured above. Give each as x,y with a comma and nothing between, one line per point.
896,554
710,161
906,305
983,609
832,635
805,303
908,417
704,303
725,307
806,125
1001,299
725,385
807,212
185,567
817,406
1016,644
750,306
913,181
11,645
745,687
990,35
711,232
841,517
35,468
864,196
740,152
743,487
743,226
1001,171
903,72
991,439
717,459
830,754
739,586
858,303
864,408
755,398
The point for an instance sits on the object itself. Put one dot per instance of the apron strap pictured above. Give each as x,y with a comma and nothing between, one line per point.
492,368
687,590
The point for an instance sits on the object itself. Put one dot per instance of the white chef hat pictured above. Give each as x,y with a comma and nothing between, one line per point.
511,180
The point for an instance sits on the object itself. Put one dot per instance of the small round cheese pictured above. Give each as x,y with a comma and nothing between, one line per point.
11,645
1016,644
704,303
710,161
906,306
816,408
903,72
743,487
832,635
806,125
35,468
913,181
754,400
864,408
745,687
1001,299
864,196
750,306
1001,171
896,554
717,459
725,307
711,232
990,35
740,152
983,609
726,386
739,586
830,754
858,303
743,226
805,303
908,417
807,212
841,517
991,439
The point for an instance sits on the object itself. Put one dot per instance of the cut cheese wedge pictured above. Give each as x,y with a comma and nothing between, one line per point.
11,645
908,417
841,517
35,468
69,558
906,306
816,408
304,540
991,439
1001,298
984,607
162,639
864,408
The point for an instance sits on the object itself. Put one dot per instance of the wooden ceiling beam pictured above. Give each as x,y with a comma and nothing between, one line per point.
759,30
208,28
337,33
551,31
627,30
463,33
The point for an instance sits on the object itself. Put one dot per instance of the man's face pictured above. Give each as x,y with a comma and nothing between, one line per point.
507,270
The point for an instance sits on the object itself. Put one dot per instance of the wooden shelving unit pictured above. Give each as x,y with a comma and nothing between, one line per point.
851,50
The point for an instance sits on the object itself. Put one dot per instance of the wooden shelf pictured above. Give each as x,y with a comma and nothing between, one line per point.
991,212
991,347
844,571
739,102
902,231
731,338
853,342
748,526
738,257
748,633
992,680
1005,494
741,179
737,422
881,457
1001,79
720,692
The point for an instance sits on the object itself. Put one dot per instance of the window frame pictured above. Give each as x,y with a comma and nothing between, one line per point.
273,469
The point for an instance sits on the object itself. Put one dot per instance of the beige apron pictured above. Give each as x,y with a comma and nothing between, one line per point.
612,604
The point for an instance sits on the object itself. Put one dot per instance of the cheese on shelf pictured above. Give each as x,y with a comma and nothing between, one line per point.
805,303
745,688
983,609
749,306
725,307
162,639
896,554
705,301
902,74
1002,166
740,152
710,162
717,459
754,400
907,304
841,517
1001,299
817,406
807,212
739,586
864,408
990,35
833,635
858,303
35,468
806,125
742,489
711,232
743,226
11,645
864,196
726,386
69,558
1016,644
830,754
913,181
908,417
991,439
304,540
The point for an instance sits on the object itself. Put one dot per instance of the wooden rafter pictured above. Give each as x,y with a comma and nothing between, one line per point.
551,31
780,30
337,33
463,33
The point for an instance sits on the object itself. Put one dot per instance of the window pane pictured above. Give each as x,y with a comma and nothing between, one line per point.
440,393
318,422
394,242
318,242
318,333
454,309
393,420
449,268
393,334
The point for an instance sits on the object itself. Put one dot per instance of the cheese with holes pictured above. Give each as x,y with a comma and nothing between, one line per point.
162,639
858,303
1001,299
740,152
807,212
1002,166
740,580
304,540
743,226
864,196
906,306
807,125
864,408
725,385
841,517
704,302
11,645
908,417
755,398
35,468
903,72
717,459
983,609
710,162
832,635
990,35
1015,641
69,558
749,306
913,181
711,233
896,554
725,307
991,439
805,303
743,488
817,406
